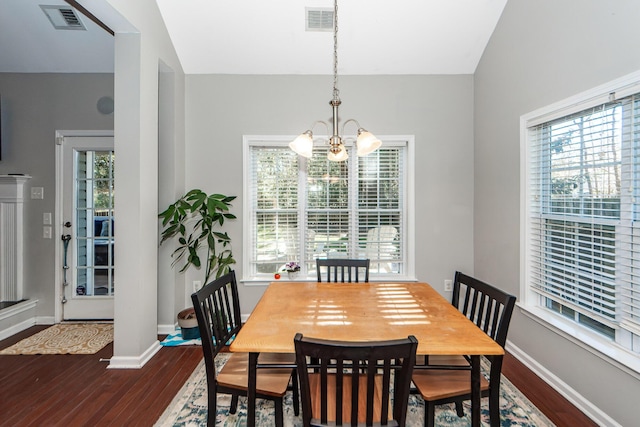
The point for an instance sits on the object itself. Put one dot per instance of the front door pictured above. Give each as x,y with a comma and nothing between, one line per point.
88,232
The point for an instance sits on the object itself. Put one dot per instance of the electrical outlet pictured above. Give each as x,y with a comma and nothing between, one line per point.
197,284
37,192
448,285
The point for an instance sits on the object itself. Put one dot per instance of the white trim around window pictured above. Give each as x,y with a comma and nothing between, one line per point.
568,225
397,264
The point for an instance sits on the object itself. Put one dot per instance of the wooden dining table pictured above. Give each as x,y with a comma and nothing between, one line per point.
361,312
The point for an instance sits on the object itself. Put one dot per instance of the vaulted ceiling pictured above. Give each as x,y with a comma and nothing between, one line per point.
269,37
29,43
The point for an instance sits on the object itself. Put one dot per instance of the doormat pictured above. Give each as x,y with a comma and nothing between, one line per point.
65,338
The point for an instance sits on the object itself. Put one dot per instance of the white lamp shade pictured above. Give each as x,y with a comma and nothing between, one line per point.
367,143
340,156
303,145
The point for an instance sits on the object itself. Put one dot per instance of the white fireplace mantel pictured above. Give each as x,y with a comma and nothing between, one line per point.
12,236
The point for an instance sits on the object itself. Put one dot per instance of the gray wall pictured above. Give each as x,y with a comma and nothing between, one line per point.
542,52
34,106
436,109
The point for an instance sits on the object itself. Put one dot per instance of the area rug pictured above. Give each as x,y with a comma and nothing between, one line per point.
65,338
189,408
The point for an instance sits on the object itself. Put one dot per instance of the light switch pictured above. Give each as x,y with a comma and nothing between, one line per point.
46,232
37,192
448,285
46,218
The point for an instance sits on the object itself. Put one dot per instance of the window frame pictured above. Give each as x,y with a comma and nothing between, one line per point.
408,214
532,303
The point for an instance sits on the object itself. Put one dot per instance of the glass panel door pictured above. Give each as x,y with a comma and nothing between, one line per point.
88,210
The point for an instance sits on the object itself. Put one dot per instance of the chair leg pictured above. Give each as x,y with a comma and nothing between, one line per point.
429,414
212,409
279,403
459,409
296,393
234,404
494,406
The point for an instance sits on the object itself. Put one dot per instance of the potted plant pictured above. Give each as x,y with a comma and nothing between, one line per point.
292,268
196,219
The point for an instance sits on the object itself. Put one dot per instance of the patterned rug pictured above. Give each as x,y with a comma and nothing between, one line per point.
65,338
189,408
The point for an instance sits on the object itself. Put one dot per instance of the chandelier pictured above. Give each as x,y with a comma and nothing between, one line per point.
366,142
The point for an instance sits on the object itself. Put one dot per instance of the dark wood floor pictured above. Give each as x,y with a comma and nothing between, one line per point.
78,390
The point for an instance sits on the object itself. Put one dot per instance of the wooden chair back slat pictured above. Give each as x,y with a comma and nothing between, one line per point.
342,270
486,306
217,308
490,309
355,381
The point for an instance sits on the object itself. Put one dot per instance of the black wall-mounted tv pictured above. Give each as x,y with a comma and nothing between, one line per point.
2,122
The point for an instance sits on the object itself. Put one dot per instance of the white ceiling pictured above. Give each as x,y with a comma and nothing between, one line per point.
374,36
30,44
269,37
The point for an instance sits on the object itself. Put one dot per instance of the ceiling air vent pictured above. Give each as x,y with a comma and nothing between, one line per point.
63,17
319,19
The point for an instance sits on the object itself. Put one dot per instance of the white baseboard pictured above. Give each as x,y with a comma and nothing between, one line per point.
579,401
45,320
14,311
18,308
167,329
134,362
14,329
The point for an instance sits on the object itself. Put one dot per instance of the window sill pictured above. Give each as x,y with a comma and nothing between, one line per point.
264,281
605,349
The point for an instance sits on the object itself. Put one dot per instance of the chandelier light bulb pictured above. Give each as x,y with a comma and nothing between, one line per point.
340,156
367,143
303,144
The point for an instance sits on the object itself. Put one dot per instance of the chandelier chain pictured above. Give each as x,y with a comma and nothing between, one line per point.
365,141
336,92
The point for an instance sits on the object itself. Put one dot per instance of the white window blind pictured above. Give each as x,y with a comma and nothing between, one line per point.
583,234
274,198
380,208
303,209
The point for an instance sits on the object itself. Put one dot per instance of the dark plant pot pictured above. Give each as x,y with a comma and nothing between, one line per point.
188,324
190,333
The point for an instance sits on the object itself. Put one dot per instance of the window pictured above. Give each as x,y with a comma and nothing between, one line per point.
582,233
301,209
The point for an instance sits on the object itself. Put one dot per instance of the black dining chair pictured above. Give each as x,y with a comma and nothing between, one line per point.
445,379
355,383
342,270
217,309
